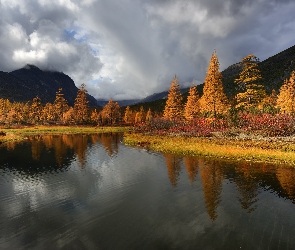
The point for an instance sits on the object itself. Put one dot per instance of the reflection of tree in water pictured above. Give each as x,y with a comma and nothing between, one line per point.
247,185
77,142
173,167
37,146
54,142
211,175
286,177
110,142
191,164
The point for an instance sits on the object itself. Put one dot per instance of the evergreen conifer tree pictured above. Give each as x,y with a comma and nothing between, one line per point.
173,108
81,105
192,106
286,97
128,116
149,116
60,105
213,100
252,91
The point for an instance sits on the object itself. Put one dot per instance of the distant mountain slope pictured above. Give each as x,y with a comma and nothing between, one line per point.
28,82
274,71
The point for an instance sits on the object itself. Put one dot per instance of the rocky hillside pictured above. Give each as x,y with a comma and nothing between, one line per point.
28,82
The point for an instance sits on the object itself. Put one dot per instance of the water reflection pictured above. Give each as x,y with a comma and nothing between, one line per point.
55,151
250,179
55,187
173,167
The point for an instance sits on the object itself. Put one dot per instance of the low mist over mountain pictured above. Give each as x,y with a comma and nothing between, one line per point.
24,84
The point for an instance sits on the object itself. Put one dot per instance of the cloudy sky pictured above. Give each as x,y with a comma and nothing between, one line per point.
125,49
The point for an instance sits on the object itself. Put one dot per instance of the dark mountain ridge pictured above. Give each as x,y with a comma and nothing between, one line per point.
274,70
24,84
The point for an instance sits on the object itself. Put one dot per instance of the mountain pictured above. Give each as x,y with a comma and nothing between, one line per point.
274,70
102,102
24,84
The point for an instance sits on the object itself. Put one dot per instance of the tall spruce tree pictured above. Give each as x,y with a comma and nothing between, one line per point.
173,108
81,105
192,106
213,100
286,97
252,92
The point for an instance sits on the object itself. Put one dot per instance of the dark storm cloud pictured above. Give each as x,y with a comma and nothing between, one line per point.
129,49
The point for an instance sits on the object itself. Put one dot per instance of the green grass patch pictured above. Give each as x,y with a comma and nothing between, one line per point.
271,151
12,134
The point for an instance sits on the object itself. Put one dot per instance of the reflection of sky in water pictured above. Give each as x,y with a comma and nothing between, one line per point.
110,196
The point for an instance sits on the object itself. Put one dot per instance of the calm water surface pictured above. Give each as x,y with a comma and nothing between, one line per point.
92,192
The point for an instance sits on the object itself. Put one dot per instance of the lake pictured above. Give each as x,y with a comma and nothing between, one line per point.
93,192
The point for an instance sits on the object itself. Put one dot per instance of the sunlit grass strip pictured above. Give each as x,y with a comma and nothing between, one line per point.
226,149
20,133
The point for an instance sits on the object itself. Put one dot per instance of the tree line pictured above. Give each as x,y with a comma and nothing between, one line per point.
251,98
59,112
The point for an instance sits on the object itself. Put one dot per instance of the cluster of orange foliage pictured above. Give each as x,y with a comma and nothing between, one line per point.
58,112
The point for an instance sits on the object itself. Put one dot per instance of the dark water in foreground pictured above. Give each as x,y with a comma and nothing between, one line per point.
92,192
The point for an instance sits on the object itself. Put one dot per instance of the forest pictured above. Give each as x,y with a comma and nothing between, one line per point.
250,110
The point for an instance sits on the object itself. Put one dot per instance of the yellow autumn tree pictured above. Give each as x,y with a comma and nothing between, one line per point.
111,112
252,92
35,110
81,105
128,116
149,116
140,115
213,100
286,97
60,105
173,108
192,106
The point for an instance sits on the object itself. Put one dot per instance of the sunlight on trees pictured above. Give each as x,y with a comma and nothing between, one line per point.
252,91
214,100
286,97
173,109
192,106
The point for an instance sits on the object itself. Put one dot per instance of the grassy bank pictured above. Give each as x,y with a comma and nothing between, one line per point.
13,134
271,150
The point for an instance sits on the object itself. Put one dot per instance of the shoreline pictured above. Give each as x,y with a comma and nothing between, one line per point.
276,150
19,134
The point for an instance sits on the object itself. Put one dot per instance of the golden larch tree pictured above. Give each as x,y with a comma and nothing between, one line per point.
173,108
35,110
81,105
192,106
111,112
286,97
60,105
213,99
140,115
252,92
149,116
128,116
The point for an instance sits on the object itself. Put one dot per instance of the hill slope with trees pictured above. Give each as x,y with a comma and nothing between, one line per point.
24,84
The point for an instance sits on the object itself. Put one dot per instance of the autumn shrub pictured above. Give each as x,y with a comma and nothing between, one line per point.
268,125
196,127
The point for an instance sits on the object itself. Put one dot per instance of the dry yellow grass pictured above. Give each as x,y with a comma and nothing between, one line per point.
250,150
